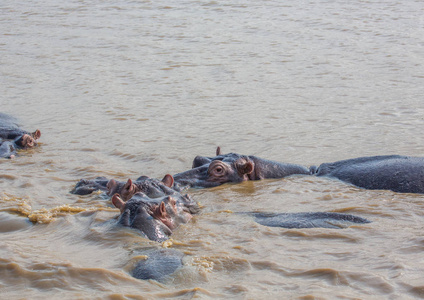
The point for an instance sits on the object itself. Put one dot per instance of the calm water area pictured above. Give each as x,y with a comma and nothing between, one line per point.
127,88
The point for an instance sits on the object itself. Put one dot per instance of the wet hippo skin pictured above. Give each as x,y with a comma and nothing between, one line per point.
13,138
88,186
397,173
158,265
233,167
308,220
155,218
152,187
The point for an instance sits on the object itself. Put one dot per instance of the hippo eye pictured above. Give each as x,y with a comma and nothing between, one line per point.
219,170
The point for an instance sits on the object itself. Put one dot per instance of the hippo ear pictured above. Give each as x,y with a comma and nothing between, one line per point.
128,184
118,202
218,151
245,167
111,185
162,208
168,180
36,134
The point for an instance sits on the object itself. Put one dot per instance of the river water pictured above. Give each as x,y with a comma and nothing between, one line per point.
128,88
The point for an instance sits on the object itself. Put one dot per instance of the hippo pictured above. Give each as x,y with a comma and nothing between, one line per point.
152,187
13,138
87,186
233,167
397,173
403,174
158,264
156,218
308,220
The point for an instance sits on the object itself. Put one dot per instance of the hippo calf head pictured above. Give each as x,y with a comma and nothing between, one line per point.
156,218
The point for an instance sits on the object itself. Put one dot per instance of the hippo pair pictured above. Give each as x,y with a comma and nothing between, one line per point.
402,174
13,138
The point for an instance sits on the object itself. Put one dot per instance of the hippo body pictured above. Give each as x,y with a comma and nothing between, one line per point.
7,149
397,173
158,265
233,167
308,220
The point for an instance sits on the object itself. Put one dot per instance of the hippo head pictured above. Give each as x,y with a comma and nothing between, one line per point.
151,187
156,218
140,214
233,167
26,141
214,171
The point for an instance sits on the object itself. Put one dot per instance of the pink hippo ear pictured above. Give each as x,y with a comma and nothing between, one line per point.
111,186
218,151
162,209
168,180
118,202
36,134
128,185
244,166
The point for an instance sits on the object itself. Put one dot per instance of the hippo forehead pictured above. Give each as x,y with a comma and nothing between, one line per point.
227,158
135,203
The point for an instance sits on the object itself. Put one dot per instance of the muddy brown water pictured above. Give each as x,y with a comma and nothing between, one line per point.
128,88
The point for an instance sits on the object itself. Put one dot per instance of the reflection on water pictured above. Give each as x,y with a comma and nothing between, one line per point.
128,88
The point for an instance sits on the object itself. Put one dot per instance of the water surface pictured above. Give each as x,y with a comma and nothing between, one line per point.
128,88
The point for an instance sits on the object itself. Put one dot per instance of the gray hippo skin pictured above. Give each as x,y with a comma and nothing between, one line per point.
13,138
308,220
7,149
397,173
233,167
87,186
152,187
158,265
155,218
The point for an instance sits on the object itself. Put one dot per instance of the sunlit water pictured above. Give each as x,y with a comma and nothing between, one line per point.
128,88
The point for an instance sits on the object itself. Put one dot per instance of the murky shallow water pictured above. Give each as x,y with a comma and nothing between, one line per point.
125,88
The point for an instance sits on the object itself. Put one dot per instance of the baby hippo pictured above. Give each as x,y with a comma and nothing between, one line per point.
155,218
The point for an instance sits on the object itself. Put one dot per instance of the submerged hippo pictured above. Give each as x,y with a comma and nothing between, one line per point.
152,187
156,218
308,220
233,167
158,264
88,186
397,173
390,172
13,138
